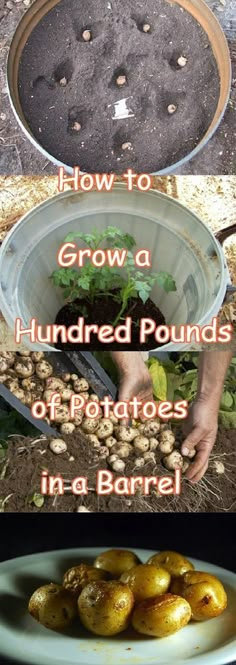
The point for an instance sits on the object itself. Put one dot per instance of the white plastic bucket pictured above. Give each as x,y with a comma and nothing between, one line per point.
179,241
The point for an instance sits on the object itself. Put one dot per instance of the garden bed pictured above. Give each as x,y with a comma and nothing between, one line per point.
78,65
27,458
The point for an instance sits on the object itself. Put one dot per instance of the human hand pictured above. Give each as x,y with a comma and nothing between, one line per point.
135,380
200,430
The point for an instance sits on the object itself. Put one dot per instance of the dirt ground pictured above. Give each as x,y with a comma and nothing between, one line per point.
17,156
26,458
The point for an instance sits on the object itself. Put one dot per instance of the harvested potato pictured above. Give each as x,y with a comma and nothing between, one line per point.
161,616
125,433
173,461
118,465
24,367
80,385
9,356
58,446
167,435
55,384
53,606
110,441
93,398
116,562
175,563
33,383
66,394
78,418
205,594
12,384
141,444
105,607
62,414
146,581
19,394
93,439
122,449
67,428
165,447
104,429
37,356
76,578
43,369
151,429
90,425
153,444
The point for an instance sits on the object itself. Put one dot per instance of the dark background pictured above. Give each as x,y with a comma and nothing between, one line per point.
210,537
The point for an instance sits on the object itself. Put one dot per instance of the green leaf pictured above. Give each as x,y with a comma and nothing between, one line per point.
37,500
227,419
159,381
227,401
166,281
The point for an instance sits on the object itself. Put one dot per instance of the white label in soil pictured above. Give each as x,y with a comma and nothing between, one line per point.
121,110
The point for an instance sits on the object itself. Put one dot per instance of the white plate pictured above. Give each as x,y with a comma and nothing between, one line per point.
22,638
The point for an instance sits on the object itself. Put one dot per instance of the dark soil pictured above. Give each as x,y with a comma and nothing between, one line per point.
215,493
56,52
105,311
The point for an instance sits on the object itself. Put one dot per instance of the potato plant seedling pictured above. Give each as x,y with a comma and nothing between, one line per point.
94,283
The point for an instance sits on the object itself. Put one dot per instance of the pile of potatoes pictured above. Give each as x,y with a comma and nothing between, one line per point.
30,377
157,598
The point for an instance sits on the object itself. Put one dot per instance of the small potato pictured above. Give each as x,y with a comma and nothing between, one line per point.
166,447
153,444
105,607
93,439
205,594
141,444
33,383
151,429
62,414
122,449
175,563
146,581
3,365
12,384
116,562
93,398
43,369
161,616
104,429
37,356
110,441
113,418
76,578
78,418
24,367
167,435
125,434
55,384
67,428
66,394
19,394
9,356
90,425
80,385
53,606
66,377
173,461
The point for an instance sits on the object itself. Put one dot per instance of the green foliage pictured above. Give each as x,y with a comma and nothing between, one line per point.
180,383
92,283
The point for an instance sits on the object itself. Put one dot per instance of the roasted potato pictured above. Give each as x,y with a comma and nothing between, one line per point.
105,607
161,616
77,577
116,562
53,606
175,563
146,581
205,594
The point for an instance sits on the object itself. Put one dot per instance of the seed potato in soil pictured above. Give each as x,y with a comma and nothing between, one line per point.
26,458
153,55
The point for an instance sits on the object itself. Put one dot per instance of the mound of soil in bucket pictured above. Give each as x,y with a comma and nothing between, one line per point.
105,311
84,57
26,458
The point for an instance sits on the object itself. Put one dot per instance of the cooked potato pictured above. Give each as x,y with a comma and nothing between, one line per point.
161,616
78,577
53,606
146,581
175,563
205,594
116,562
105,607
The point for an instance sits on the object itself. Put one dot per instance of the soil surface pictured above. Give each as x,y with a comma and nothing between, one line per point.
69,87
26,460
105,311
